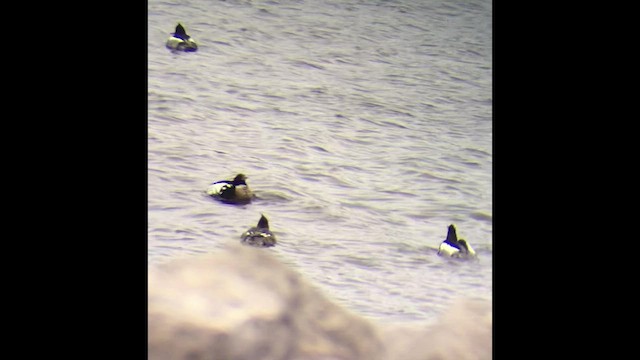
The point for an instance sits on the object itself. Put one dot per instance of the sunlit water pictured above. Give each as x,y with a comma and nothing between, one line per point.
364,127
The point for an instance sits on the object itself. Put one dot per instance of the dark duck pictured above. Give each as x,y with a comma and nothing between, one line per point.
454,247
259,235
234,191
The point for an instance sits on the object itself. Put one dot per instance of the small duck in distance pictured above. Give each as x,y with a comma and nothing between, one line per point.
454,247
260,235
234,191
181,41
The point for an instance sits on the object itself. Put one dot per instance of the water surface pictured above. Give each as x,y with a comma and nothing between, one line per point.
364,127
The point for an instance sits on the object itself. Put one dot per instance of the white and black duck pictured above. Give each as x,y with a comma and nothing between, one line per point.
181,41
454,247
234,191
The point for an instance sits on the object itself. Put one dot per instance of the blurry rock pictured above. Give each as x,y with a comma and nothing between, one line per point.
463,333
244,304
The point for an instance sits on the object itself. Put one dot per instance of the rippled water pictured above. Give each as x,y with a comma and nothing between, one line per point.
364,127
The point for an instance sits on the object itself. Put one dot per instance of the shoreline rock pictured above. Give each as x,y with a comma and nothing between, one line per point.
242,303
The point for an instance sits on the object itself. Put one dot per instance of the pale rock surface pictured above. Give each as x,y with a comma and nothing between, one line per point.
242,303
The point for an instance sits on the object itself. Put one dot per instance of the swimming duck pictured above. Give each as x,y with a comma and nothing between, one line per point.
234,191
454,247
181,41
259,235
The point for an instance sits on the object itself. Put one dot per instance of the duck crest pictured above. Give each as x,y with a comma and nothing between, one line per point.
240,179
452,237
181,32
263,223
